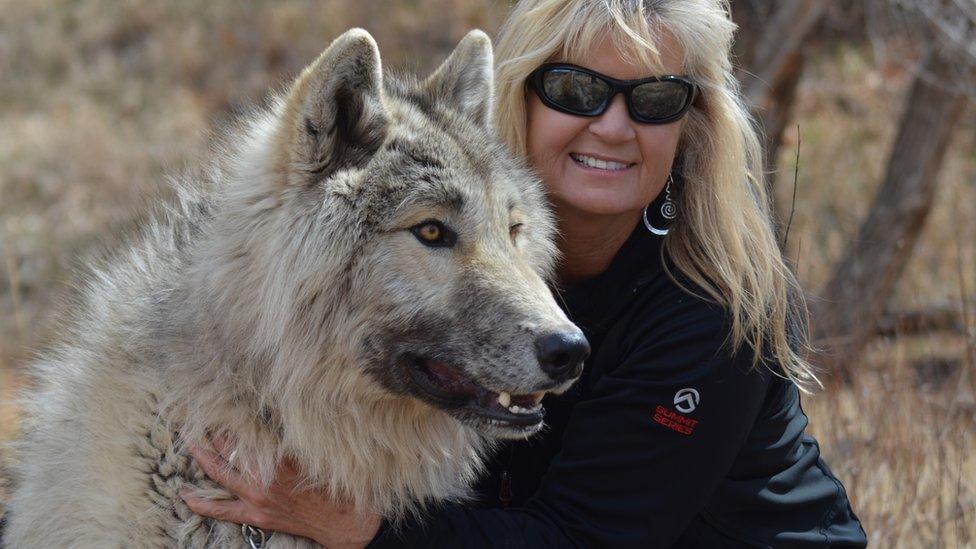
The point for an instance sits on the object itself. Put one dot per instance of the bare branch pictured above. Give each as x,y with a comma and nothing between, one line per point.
905,31
946,318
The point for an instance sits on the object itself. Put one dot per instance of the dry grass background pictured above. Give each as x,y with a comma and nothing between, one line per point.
100,99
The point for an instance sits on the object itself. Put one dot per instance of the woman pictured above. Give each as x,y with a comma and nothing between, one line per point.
686,428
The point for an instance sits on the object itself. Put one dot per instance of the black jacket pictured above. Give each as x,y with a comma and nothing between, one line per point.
668,440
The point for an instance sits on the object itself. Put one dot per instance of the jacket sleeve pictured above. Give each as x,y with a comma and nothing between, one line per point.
642,452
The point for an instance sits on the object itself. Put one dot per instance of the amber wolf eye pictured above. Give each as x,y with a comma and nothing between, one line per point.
435,234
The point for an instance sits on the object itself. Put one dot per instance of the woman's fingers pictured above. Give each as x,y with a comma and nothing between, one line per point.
287,473
285,506
228,510
224,447
223,474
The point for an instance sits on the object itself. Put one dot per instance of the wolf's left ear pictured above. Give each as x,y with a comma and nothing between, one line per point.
465,79
334,115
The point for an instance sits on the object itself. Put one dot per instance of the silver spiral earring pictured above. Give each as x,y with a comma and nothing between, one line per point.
668,210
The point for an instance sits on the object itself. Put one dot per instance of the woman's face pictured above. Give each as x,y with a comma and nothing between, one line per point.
559,142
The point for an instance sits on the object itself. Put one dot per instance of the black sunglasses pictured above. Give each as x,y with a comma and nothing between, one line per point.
580,91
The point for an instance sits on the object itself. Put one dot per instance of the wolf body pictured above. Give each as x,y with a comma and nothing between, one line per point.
357,283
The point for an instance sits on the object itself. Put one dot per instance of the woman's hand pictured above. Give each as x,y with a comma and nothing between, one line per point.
284,507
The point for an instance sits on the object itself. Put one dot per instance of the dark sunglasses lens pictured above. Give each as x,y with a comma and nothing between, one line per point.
660,100
573,90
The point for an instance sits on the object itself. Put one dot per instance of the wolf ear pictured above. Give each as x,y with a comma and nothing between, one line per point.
465,79
334,111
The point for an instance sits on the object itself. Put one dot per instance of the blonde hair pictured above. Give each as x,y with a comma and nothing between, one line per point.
723,239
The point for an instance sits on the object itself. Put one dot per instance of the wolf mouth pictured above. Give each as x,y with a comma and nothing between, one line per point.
448,387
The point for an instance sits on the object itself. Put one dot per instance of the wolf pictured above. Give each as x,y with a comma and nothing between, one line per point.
356,281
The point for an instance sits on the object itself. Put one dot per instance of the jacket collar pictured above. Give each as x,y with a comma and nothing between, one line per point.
594,303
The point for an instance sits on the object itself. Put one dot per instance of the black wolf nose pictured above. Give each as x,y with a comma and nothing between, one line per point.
561,354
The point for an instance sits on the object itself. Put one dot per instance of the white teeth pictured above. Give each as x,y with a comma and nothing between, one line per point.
597,163
505,399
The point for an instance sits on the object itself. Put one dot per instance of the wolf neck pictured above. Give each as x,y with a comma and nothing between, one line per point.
386,455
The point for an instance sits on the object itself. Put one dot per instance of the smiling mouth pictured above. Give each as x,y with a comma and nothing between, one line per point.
450,388
600,164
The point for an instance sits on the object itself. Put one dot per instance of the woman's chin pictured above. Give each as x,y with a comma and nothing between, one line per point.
599,202
600,194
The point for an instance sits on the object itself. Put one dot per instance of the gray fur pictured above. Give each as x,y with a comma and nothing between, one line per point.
270,303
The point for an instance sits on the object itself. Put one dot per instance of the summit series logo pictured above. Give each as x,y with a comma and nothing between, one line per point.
686,400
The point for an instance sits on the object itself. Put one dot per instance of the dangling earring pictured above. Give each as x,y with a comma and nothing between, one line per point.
668,210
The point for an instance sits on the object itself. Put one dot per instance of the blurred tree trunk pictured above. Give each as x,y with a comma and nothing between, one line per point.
779,112
767,58
769,47
855,297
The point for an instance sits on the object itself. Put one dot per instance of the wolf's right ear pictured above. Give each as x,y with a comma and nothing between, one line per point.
334,112
465,80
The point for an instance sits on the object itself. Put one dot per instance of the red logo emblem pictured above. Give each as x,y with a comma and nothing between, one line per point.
674,421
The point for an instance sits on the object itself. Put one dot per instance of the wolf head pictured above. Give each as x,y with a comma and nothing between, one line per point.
398,250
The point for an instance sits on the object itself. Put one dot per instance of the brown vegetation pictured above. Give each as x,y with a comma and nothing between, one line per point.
100,100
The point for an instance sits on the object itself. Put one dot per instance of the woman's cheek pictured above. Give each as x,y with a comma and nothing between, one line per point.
549,133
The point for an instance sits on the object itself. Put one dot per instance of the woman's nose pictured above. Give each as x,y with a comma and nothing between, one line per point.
614,125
